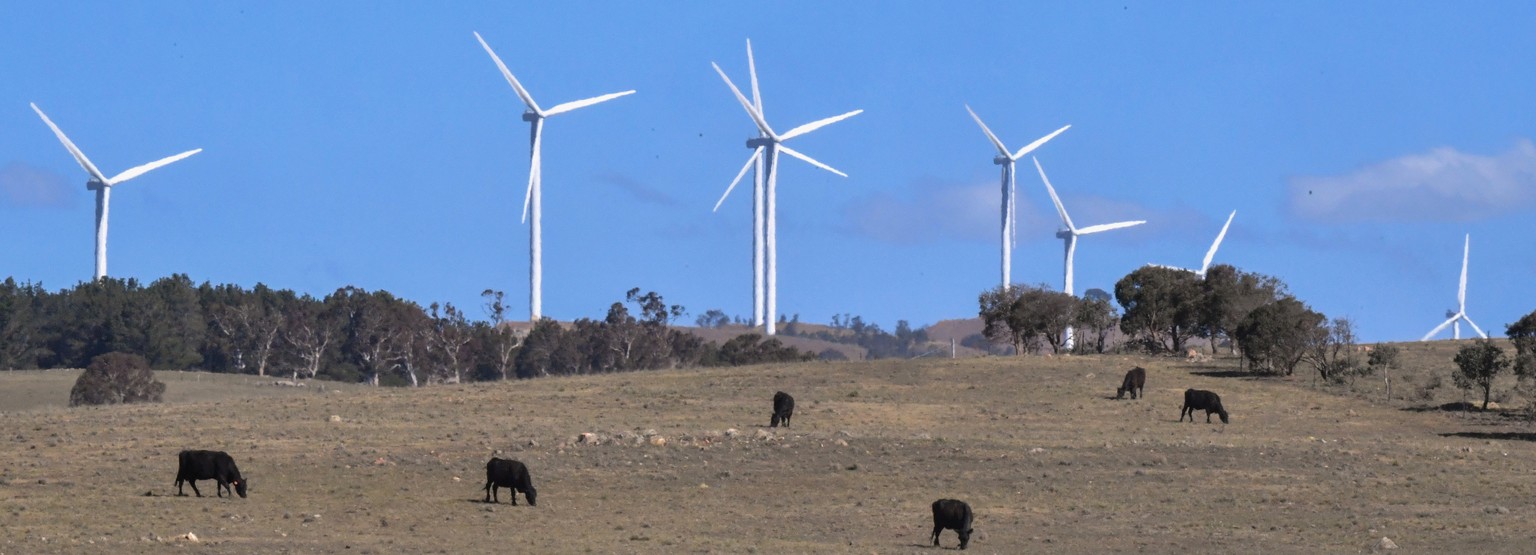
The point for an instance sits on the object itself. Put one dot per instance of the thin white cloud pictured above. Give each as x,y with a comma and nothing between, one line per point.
28,186
641,191
930,211
1443,184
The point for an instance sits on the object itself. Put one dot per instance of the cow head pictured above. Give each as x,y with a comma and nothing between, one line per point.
239,487
1120,392
774,421
1223,415
965,537
532,495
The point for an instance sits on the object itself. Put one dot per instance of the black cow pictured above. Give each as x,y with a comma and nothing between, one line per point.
1197,399
1135,382
209,465
952,514
513,475
783,408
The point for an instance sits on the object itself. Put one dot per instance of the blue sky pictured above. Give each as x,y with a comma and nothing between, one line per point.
375,144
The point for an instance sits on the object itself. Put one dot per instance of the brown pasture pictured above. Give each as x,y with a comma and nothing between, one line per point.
1047,460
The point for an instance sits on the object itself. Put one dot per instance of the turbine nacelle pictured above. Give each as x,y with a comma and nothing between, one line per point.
531,116
1064,233
759,142
1001,160
95,185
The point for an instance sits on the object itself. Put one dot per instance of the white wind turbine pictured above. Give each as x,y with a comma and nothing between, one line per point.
1210,254
1070,234
765,156
535,118
1006,160
1460,314
100,183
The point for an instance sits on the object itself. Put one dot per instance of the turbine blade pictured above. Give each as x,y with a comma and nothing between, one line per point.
762,125
568,106
809,160
141,170
1040,141
1439,328
534,167
1002,150
1474,326
1211,254
516,86
1461,293
818,124
750,160
1106,227
85,163
1055,199
757,99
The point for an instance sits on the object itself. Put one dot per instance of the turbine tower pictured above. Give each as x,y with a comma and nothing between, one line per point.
100,183
766,147
1460,314
1006,160
535,117
1209,255
1069,236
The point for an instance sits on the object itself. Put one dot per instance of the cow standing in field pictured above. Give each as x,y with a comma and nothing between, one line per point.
513,475
1197,399
952,514
783,408
209,465
1135,382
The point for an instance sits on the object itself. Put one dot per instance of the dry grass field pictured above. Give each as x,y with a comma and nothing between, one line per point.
1035,444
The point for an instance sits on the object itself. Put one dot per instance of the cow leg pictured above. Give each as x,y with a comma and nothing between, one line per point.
514,495
179,492
193,483
1207,417
936,529
219,486
490,493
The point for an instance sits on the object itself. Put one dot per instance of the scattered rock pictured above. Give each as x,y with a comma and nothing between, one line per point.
311,518
456,479
1384,544
335,418
659,441
1037,450
732,432
649,432
763,435
588,438
188,537
1499,510
532,443
840,443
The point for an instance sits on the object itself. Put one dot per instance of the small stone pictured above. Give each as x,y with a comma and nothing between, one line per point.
659,441
335,418
763,435
1496,510
456,479
1384,544
732,432
190,537
840,443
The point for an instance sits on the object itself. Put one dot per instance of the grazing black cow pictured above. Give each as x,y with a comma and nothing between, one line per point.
952,514
209,465
1135,382
513,475
783,408
1197,399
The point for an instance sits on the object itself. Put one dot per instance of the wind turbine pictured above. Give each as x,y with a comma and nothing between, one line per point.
1006,160
535,117
100,183
1210,254
1071,233
766,147
1460,314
